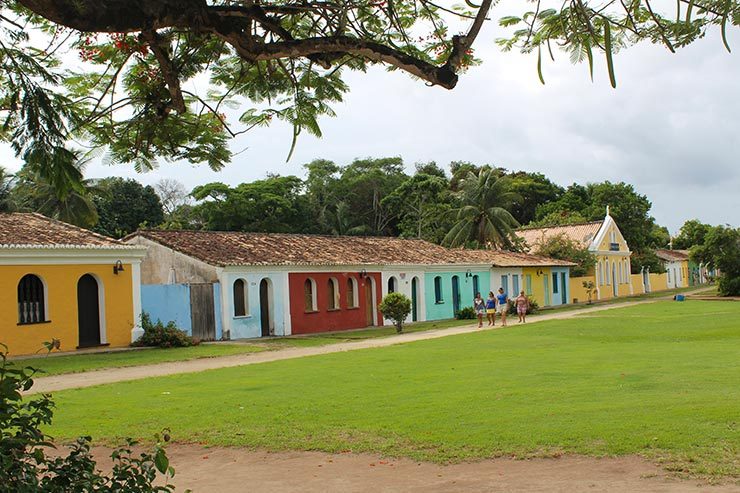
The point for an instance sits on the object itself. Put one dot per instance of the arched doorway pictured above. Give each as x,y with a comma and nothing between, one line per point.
369,302
88,311
266,316
392,284
414,299
455,295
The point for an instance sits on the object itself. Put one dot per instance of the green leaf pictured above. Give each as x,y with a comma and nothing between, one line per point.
539,65
724,33
608,50
590,56
161,461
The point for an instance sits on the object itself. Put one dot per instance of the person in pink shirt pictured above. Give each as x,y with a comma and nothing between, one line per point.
522,305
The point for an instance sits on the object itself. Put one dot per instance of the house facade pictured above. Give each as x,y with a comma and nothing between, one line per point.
676,263
611,276
58,281
283,284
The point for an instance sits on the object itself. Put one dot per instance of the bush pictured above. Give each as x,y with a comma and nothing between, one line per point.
163,336
396,307
533,306
467,313
25,467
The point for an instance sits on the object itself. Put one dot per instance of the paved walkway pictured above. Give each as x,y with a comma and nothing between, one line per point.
111,375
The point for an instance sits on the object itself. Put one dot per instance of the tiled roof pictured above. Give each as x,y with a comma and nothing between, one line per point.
28,229
583,233
672,255
224,248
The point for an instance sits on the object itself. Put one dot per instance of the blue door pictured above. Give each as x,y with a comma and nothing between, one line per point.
563,288
455,295
515,283
505,283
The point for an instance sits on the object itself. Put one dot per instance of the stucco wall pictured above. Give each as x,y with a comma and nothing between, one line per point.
323,319
637,284
444,309
168,302
61,301
577,291
658,282
250,325
404,280
161,262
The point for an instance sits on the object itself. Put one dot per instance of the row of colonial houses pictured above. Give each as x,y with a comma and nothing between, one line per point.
86,290
62,282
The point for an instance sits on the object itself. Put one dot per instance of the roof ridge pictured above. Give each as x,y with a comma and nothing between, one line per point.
295,235
587,223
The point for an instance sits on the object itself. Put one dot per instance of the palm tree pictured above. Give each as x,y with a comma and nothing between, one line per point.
36,193
483,219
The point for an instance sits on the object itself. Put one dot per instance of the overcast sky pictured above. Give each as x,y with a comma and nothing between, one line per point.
670,128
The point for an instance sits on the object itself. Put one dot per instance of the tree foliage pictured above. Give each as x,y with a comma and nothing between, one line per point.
483,219
131,92
721,250
125,205
563,248
396,307
692,233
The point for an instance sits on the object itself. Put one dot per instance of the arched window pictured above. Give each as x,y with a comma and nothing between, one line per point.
352,295
333,294
241,301
309,295
392,284
438,290
31,303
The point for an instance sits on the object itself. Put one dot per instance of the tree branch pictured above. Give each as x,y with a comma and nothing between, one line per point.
160,48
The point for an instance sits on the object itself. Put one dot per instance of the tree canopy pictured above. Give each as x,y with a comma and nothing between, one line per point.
129,93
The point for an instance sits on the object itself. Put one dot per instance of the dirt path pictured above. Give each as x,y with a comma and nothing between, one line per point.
111,375
232,470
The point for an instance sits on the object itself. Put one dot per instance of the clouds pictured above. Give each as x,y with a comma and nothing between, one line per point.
670,128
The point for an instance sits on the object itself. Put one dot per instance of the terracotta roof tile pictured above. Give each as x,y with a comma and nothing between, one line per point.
672,255
224,248
583,233
28,229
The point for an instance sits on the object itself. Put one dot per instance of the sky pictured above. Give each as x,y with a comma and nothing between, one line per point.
671,128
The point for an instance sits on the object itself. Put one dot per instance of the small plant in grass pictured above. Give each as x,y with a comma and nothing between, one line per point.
163,336
396,307
26,467
467,313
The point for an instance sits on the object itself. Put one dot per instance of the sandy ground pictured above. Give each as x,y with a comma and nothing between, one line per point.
232,470
111,375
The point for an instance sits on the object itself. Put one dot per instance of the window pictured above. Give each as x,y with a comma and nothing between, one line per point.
309,295
600,268
515,284
438,290
392,284
476,285
608,273
528,283
241,303
555,283
31,303
352,295
333,294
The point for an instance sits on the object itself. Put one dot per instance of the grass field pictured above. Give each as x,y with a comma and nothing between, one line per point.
76,363
659,380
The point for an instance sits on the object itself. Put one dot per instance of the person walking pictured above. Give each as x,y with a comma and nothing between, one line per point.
522,305
491,309
480,308
502,301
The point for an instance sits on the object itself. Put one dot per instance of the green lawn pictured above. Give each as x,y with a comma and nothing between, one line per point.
659,380
75,363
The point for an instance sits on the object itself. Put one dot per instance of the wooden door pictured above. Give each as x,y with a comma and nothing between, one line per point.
369,302
202,311
414,300
455,295
88,311
265,308
563,289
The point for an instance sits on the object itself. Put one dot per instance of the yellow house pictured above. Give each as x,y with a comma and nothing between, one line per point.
58,281
611,276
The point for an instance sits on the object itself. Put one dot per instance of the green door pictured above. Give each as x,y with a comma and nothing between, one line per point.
414,304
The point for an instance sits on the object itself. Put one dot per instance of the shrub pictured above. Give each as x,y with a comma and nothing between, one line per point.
533,306
161,335
467,313
396,307
25,467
